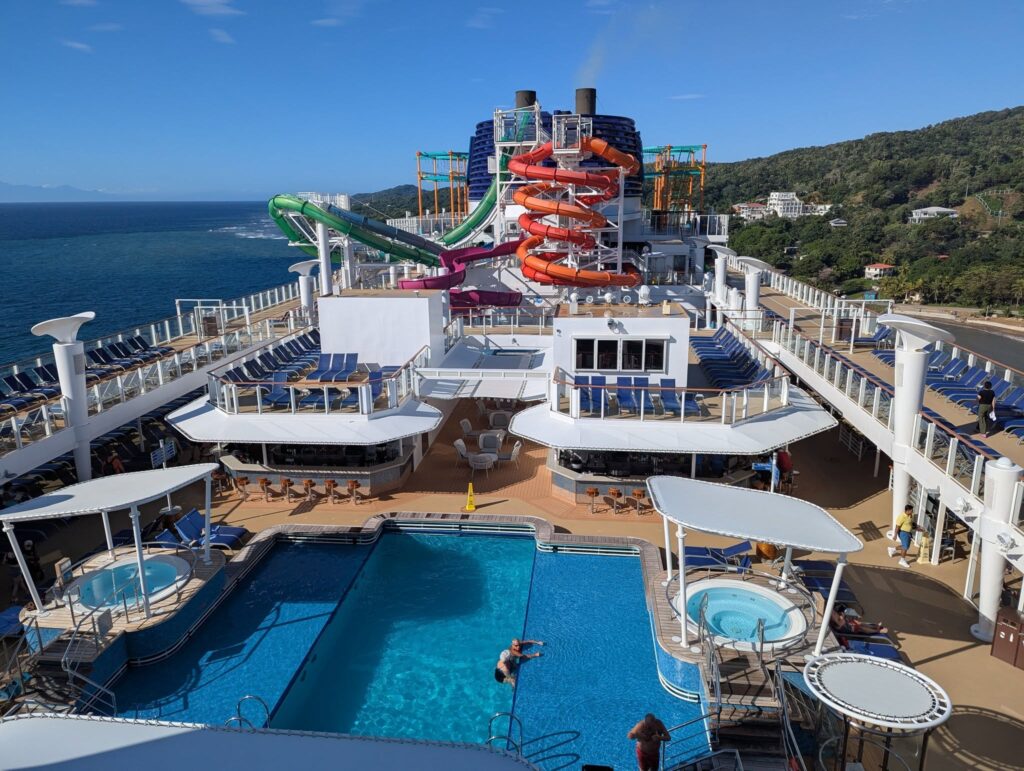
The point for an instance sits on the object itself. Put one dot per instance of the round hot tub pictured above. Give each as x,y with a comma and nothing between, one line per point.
734,609
118,582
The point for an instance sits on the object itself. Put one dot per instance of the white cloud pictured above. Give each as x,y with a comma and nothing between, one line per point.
107,26
684,97
79,3
213,7
221,36
338,12
483,18
329,21
85,48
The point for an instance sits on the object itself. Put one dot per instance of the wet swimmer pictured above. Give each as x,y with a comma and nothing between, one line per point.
508,660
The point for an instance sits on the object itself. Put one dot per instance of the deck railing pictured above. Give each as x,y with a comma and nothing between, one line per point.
45,419
354,396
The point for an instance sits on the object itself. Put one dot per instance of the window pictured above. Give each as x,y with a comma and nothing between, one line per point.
608,354
654,356
585,354
632,355
618,355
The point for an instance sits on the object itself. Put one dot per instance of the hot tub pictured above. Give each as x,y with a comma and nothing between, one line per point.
734,608
112,584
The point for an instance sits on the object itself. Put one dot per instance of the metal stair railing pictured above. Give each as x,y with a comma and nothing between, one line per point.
242,720
794,758
507,737
716,758
707,732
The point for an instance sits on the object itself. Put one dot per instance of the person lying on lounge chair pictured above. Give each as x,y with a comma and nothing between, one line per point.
847,621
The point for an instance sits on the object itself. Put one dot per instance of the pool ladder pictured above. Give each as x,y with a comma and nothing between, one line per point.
243,721
507,736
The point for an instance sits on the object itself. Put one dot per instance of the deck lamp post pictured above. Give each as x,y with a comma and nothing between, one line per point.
69,358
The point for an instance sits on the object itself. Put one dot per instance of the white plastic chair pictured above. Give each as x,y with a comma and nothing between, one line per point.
467,429
460,449
512,456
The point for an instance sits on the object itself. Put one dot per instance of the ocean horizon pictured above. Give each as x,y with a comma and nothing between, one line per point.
128,262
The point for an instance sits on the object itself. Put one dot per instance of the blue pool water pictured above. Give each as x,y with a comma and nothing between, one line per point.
412,650
734,613
252,644
400,639
598,675
107,587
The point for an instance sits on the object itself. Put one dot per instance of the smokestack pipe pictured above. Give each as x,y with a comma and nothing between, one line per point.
586,101
525,98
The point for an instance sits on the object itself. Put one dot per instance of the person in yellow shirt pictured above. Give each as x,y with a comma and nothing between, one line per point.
905,528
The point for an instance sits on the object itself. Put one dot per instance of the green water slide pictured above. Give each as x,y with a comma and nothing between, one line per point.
279,205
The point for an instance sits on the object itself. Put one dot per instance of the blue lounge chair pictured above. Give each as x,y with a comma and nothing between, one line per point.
376,381
280,394
347,366
586,405
322,368
643,384
669,398
221,536
624,394
598,392
871,647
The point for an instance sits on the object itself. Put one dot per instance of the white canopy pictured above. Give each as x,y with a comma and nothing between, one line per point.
200,421
878,692
752,514
109,493
801,418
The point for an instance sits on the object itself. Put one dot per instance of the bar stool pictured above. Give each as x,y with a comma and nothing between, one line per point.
219,480
353,486
639,495
615,493
240,485
308,485
264,484
592,493
286,488
331,490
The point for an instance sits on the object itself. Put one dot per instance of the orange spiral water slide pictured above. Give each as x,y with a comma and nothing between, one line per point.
538,198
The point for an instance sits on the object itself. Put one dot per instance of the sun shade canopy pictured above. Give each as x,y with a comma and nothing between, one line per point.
750,514
109,493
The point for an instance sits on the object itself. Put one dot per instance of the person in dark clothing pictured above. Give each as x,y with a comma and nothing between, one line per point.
986,407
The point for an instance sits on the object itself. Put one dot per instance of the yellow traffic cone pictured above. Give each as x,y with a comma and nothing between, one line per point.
470,505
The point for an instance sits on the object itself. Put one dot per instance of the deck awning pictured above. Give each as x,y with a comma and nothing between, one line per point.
749,514
109,493
200,421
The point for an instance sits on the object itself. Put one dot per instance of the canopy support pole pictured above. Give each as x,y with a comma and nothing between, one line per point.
830,603
787,568
140,560
16,548
206,529
681,543
668,552
105,516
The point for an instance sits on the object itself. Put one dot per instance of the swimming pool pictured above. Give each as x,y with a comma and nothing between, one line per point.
114,584
400,639
734,609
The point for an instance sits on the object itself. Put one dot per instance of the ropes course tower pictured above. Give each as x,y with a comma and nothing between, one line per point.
678,174
445,168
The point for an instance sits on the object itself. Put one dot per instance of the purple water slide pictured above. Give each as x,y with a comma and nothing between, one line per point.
456,260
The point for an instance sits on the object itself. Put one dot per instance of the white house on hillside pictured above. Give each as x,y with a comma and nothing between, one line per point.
785,205
878,270
931,213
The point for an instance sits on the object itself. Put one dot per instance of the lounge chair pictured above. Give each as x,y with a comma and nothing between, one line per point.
221,536
643,384
625,395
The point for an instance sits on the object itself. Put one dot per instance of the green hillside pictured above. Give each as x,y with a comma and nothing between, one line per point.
974,164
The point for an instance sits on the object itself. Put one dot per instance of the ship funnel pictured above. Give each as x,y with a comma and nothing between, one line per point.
525,98
586,101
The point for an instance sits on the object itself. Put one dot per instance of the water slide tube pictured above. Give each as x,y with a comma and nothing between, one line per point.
351,225
540,201
456,261
480,216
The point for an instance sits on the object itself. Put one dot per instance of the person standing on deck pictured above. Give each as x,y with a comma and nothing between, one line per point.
649,733
905,528
986,407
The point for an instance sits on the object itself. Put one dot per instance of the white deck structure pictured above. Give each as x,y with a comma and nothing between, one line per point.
758,435
201,421
83,743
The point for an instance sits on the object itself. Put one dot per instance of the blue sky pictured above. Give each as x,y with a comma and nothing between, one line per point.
245,98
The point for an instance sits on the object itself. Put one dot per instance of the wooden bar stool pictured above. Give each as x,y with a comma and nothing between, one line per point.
309,486
353,490
240,485
286,488
331,490
592,493
219,480
264,484
639,495
615,493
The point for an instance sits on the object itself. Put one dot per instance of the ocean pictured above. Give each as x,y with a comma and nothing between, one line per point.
128,262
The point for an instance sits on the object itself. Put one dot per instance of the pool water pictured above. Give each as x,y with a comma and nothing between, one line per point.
111,586
411,651
734,613
400,639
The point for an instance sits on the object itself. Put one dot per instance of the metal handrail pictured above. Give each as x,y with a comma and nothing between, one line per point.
708,733
258,700
492,736
789,741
